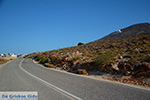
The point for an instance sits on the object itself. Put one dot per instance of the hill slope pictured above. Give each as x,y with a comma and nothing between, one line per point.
121,57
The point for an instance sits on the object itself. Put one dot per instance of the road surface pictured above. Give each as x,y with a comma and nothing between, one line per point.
24,75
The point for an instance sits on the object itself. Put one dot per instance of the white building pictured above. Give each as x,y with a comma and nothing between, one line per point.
13,55
1,54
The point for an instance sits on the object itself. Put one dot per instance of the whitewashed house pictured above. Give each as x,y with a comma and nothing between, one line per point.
13,55
1,54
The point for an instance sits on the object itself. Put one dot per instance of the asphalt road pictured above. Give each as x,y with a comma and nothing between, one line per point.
24,75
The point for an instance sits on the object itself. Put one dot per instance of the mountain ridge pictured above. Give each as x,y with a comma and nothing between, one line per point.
130,31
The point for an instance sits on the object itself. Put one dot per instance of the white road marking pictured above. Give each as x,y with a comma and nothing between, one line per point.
129,85
50,85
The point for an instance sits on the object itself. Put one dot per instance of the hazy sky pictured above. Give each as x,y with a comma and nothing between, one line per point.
28,26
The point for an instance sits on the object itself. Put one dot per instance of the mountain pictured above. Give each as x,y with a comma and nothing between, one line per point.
131,31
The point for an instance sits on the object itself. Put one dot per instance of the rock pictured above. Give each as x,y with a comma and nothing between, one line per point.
75,62
132,67
137,49
146,64
124,80
127,66
49,65
65,66
127,57
78,65
116,77
77,52
120,57
82,71
128,73
115,66
147,81
68,70
98,73
67,58
145,74
125,61
126,77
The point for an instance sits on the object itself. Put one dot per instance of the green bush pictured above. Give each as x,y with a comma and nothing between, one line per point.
80,43
132,60
44,59
104,58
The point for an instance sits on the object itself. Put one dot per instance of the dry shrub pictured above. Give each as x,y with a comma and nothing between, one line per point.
85,53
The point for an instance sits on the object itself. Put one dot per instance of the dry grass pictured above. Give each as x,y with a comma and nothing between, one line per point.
2,61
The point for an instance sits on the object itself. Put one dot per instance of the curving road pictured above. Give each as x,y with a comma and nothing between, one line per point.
24,75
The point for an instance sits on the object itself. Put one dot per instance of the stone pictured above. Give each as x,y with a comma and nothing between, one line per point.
147,81
78,65
82,71
120,57
115,66
128,73
77,52
98,73
68,70
65,66
124,80
146,64
49,65
132,67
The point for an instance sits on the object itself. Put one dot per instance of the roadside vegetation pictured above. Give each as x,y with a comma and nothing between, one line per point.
5,59
2,61
104,58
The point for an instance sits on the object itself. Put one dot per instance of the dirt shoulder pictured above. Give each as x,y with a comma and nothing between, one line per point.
4,60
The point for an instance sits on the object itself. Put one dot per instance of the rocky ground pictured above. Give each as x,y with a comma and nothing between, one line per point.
125,60
128,79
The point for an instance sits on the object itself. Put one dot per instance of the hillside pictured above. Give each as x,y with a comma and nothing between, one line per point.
125,59
131,31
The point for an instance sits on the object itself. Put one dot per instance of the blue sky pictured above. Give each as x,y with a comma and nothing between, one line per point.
28,26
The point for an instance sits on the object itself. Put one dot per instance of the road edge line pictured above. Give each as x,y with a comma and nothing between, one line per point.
48,84
129,85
